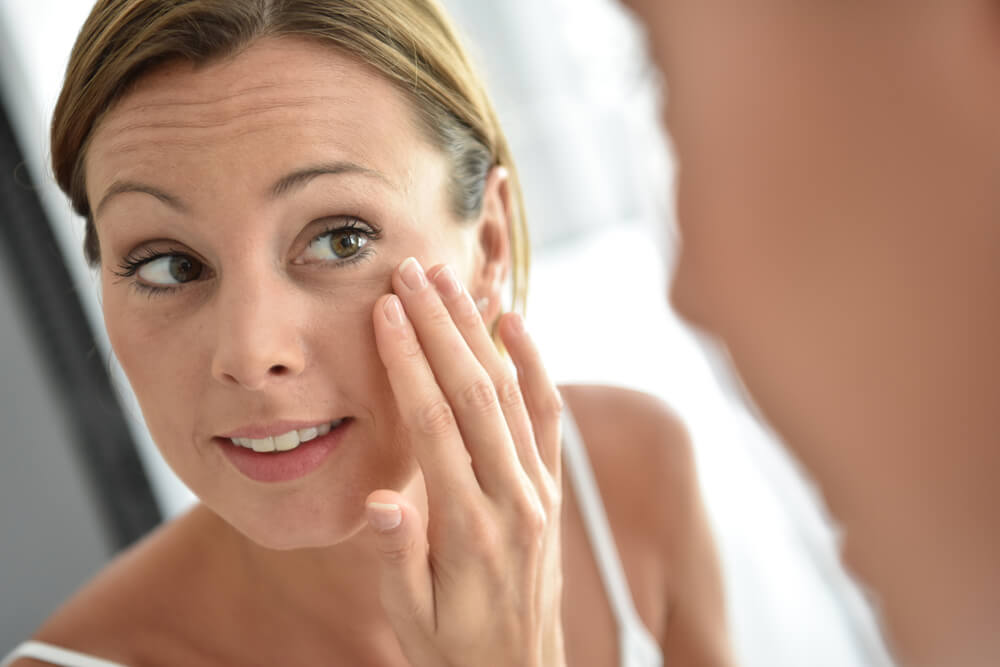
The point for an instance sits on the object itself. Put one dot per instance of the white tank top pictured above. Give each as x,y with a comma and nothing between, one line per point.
636,646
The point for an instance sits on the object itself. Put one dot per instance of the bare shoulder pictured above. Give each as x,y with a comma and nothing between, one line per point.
639,448
124,614
643,463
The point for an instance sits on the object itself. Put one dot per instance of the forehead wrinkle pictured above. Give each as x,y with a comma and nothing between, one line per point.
133,101
211,119
320,128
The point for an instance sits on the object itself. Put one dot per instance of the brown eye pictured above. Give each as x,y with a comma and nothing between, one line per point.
335,245
346,242
170,270
183,269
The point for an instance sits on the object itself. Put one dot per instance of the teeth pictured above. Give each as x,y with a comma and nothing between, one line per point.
262,445
286,441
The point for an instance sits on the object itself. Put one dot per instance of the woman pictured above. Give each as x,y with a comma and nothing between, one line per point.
262,184
838,200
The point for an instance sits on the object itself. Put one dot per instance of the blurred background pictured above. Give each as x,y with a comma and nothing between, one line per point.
80,478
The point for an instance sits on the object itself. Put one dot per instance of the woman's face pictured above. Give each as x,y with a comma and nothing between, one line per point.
249,214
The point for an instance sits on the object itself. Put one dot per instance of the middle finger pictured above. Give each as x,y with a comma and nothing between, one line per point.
463,380
470,324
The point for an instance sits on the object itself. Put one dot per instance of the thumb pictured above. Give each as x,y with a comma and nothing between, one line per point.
401,540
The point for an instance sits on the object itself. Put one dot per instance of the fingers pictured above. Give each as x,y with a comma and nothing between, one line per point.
405,588
473,329
424,410
470,586
541,397
468,388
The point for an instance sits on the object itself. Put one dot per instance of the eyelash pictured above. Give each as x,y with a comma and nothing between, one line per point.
129,265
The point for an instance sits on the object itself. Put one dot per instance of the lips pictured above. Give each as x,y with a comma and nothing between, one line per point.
300,456
288,440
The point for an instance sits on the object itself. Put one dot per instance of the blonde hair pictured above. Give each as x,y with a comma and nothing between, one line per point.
410,42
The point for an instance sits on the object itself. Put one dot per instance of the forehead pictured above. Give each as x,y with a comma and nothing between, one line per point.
279,104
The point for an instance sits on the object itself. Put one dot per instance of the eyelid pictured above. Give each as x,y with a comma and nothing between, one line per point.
137,258
337,223
340,223
129,266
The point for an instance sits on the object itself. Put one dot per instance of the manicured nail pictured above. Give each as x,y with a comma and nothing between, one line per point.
446,283
394,311
383,516
516,323
412,273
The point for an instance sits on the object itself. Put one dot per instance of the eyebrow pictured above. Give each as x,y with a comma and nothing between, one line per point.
120,187
288,183
300,177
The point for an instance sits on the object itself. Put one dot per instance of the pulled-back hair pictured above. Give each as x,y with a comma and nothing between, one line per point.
410,42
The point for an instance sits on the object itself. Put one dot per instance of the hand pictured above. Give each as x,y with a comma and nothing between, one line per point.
482,584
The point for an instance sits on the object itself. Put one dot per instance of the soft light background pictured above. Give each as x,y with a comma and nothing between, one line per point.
579,103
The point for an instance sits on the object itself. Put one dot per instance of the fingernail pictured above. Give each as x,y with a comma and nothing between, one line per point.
446,283
394,311
383,516
412,273
517,323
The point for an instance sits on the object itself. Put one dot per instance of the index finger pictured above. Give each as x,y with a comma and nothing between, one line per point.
423,408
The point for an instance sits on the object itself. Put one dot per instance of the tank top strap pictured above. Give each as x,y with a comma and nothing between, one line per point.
54,655
637,647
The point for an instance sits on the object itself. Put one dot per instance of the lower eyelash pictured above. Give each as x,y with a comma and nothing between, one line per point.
152,290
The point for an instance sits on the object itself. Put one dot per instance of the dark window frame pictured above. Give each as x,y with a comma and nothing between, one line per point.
76,373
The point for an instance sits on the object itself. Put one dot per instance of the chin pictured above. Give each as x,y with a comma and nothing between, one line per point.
300,520
285,540
301,534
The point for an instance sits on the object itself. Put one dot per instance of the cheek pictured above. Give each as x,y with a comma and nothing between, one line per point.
340,347
162,353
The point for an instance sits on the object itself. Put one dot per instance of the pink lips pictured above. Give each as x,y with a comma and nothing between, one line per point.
283,466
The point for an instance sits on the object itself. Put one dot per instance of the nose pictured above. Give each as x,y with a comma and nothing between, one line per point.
259,336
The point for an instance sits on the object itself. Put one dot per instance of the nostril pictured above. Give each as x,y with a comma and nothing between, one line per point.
278,369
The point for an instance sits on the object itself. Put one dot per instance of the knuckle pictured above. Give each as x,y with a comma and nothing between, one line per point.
434,418
530,520
552,404
509,391
409,348
480,395
439,316
466,315
396,552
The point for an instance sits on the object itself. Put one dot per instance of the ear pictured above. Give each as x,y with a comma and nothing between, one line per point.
492,265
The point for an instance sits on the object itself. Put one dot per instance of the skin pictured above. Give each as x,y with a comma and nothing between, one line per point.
292,572
838,207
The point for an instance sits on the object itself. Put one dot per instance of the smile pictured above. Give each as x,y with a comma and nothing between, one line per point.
286,441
